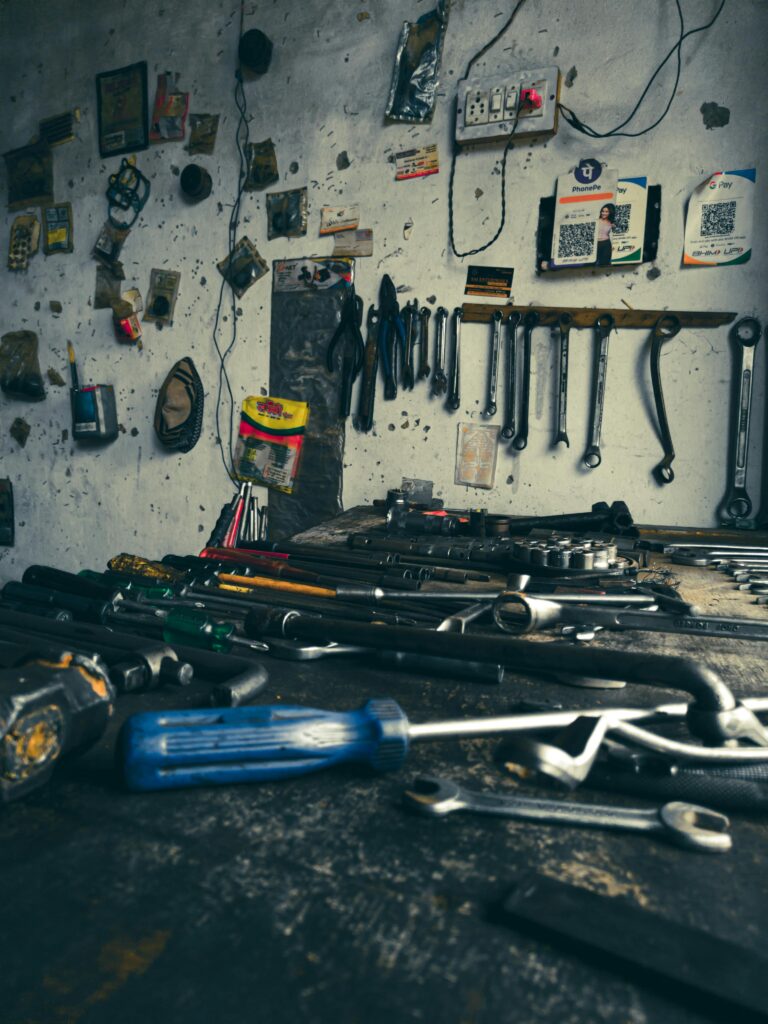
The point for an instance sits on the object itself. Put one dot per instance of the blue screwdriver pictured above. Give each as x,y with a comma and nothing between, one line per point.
201,747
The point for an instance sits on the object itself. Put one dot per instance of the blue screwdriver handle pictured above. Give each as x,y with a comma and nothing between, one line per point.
173,749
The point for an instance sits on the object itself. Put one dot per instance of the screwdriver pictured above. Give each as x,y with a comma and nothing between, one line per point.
188,626
173,749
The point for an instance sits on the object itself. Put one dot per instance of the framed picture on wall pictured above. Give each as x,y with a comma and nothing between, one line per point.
123,110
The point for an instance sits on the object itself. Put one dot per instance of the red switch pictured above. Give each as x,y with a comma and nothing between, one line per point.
530,100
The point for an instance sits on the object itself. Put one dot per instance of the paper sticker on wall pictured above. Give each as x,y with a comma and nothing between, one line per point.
718,228
338,218
582,229
628,227
416,163
489,281
353,243
476,454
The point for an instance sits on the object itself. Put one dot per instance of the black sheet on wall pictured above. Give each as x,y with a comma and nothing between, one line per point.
307,298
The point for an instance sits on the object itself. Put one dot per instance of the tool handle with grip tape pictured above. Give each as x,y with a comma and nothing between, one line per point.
170,750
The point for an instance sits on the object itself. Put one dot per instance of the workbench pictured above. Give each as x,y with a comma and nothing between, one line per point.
320,899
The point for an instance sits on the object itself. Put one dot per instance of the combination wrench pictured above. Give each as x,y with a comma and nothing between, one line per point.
686,825
530,321
490,405
738,504
411,328
508,430
666,327
439,379
603,327
367,395
564,323
454,398
424,315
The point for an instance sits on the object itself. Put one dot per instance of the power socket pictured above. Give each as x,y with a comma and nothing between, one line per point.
486,108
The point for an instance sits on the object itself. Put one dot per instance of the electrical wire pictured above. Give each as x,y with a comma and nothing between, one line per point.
242,136
580,126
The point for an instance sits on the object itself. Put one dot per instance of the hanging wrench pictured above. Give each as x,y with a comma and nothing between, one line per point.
666,327
738,504
454,399
490,407
411,327
530,320
686,825
508,430
564,323
367,395
424,315
603,327
439,379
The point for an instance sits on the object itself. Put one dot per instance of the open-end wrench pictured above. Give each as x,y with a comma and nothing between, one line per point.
367,395
666,327
603,328
493,375
746,335
424,315
454,398
439,379
520,441
564,323
411,316
686,825
508,430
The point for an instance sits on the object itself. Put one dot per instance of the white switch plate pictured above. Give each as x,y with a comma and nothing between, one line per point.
478,124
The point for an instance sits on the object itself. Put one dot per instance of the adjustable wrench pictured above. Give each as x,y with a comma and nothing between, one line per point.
738,504
666,327
686,825
508,430
411,328
439,379
530,320
493,376
367,395
564,323
454,399
603,328
424,315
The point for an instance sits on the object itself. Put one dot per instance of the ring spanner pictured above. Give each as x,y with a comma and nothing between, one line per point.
439,379
666,327
490,406
685,825
508,430
454,398
564,323
530,320
603,327
738,504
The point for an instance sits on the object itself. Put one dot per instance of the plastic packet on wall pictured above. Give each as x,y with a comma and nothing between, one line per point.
413,90
202,133
262,165
163,290
270,441
243,267
20,367
169,117
287,214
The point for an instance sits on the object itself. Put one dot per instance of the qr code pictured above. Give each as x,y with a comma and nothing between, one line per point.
621,221
718,219
575,240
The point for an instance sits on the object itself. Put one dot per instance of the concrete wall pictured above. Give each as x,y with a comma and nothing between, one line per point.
325,94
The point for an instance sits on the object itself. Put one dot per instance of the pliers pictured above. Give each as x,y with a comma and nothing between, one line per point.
391,331
348,332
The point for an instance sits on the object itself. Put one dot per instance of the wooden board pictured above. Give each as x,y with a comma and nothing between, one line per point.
482,313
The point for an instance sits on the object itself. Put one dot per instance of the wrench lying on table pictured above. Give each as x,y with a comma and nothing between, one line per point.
666,327
685,825
738,504
603,327
508,430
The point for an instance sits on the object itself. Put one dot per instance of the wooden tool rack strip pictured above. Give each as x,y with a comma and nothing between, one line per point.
482,313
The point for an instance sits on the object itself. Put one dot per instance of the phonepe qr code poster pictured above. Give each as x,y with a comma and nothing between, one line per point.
718,228
585,216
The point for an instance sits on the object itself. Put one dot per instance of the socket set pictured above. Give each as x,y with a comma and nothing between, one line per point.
562,555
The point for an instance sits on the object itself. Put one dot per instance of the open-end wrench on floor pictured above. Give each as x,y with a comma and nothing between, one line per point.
666,327
367,395
424,315
520,441
564,323
738,504
454,397
439,379
686,825
603,328
493,376
508,430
